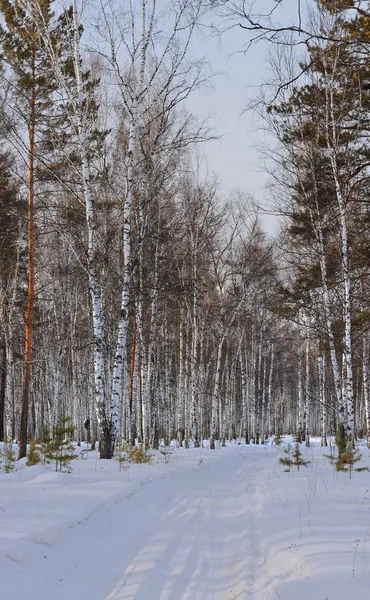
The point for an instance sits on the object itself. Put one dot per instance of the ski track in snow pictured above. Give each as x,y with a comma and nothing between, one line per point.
233,525
194,538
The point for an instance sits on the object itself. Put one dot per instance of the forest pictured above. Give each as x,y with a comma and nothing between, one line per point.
135,298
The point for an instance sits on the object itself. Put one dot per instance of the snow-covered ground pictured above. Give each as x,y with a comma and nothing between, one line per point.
207,525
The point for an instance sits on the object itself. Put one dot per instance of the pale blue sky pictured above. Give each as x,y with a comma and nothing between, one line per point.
235,157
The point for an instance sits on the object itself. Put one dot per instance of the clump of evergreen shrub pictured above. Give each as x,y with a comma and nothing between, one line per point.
132,454
138,454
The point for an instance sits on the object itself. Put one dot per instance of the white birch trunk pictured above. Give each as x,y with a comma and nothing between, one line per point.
180,382
252,391
307,386
188,379
227,422
152,360
316,221
259,391
269,392
342,411
322,397
332,143
215,394
120,358
137,387
166,383
8,311
365,382
300,390
232,403
244,428
99,380
194,359
140,332
9,385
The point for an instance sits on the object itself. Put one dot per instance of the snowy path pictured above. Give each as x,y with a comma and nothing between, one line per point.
192,535
232,526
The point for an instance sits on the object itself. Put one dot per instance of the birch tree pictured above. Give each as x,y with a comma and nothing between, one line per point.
11,239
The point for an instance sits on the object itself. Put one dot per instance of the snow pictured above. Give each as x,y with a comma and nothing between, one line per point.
200,525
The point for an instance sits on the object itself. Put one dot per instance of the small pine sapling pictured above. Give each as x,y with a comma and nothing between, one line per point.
33,456
121,456
9,460
8,456
45,440
297,456
60,449
293,458
166,452
347,459
287,460
277,439
84,453
298,437
331,456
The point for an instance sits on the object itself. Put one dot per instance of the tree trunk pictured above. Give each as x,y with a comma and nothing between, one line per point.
331,142
194,360
31,271
120,355
215,395
322,396
106,446
180,382
269,392
152,359
244,391
365,382
308,386
300,391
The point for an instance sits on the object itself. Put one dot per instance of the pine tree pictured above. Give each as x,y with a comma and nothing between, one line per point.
8,457
33,455
348,458
287,461
297,456
60,449
23,52
347,454
293,458
329,159
121,456
277,439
